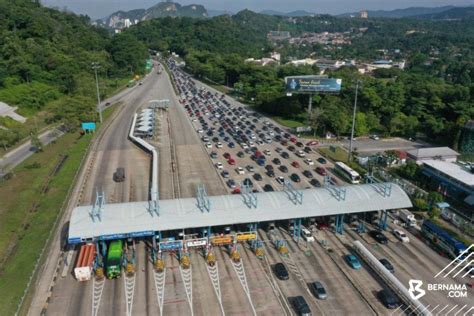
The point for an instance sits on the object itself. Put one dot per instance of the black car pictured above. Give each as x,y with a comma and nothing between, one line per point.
276,161
240,154
285,155
307,149
378,236
308,174
291,148
295,177
387,265
268,188
322,160
315,183
301,306
299,144
283,168
389,299
271,173
280,271
269,167
257,177
248,182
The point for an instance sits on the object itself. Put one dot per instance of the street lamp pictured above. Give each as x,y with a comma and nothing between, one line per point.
95,66
349,158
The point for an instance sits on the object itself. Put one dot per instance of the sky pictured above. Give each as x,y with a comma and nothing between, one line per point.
102,8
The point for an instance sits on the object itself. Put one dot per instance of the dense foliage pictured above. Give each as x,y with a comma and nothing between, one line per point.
434,96
45,60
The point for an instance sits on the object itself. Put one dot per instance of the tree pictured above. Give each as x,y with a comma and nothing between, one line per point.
361,126
36,142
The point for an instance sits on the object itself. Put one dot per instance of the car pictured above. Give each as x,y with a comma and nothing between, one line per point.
267,152
219,145
261,162
270,173
231,161
240,154
400,235
213,155
230,183
278,150
283,169
308,174
276,161
250,168
257,177
225,174
240,170
378,236
300,305
268,188
299,144
119,175
236,191
219,165
285,155
280,271
293,139
231,145
295,177
321,171
248,182
280,180
215,139
291,148
353,262
389,299
315,183
300,154
309,161
387,265
318,290
374,137
269,167
208,145
295,164
200,131
307,149
312,143
322,161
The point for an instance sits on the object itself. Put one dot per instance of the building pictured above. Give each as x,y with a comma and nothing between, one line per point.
453,180
278,35
433,153
329,64
364,14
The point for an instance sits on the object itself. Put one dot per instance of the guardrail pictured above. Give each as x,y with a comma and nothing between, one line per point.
154,169
391,281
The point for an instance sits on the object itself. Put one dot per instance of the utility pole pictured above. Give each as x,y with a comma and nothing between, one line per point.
353,122
95,66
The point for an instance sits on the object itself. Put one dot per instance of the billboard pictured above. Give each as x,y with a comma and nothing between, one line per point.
246,236
224,240
196,242
171,245
312,84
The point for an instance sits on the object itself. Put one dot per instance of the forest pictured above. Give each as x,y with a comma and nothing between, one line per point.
432,98
45,66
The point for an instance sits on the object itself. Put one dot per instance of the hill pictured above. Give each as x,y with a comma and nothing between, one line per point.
288,14
403,13
121,19
451,14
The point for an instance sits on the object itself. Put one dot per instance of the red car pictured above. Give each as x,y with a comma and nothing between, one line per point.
236,191
231,161
258,154
321,171
293,139
295,164
312,143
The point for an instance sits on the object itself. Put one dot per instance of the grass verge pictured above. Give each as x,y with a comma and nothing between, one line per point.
335,153
31,202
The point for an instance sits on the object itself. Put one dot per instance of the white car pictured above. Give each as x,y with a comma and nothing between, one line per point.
240,170
309,162
208,145
200,131
244,145
375,137
401,235
280,180
219,165
300,154
267,152
219,145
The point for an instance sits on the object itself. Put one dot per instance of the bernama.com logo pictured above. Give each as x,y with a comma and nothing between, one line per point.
452,290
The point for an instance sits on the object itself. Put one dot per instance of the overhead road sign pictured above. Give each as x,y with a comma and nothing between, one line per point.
88,126
312,84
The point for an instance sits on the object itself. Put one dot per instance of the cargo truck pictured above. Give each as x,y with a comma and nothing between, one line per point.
113,264
85,262
407,217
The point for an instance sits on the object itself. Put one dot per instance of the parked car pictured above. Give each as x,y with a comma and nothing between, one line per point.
308,174
295,164
280,271
389,299
231,183
250,168
213,155
353,262
268,188
280,180
295,177
240,170
240,154
283,168
309,161
219,165
315,183
285,155
400,235
248,182
225,174
227,155
387,265
257,176
322,161
378,236
270,173
321,171
318,290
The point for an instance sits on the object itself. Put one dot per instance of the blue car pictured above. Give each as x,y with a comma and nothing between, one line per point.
231,145
261,162
353,262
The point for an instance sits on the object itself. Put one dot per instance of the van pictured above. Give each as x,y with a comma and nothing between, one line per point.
119,175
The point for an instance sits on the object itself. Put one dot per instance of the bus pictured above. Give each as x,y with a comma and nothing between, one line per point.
113,263
441,240
346,172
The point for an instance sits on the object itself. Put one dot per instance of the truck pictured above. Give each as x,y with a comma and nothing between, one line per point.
113,264
407,217
85,262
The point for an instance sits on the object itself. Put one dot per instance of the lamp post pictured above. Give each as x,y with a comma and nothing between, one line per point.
349,158
95,66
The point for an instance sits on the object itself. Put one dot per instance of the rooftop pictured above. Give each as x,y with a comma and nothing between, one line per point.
134,219
454,170
432,152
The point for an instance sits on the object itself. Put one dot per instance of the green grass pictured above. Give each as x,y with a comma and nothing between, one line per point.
24,229
338,155
287,122
463,238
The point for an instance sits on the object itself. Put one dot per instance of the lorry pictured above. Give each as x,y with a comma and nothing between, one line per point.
85,262
407,217
113,264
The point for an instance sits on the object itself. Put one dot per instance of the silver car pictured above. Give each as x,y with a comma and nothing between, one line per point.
318,290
